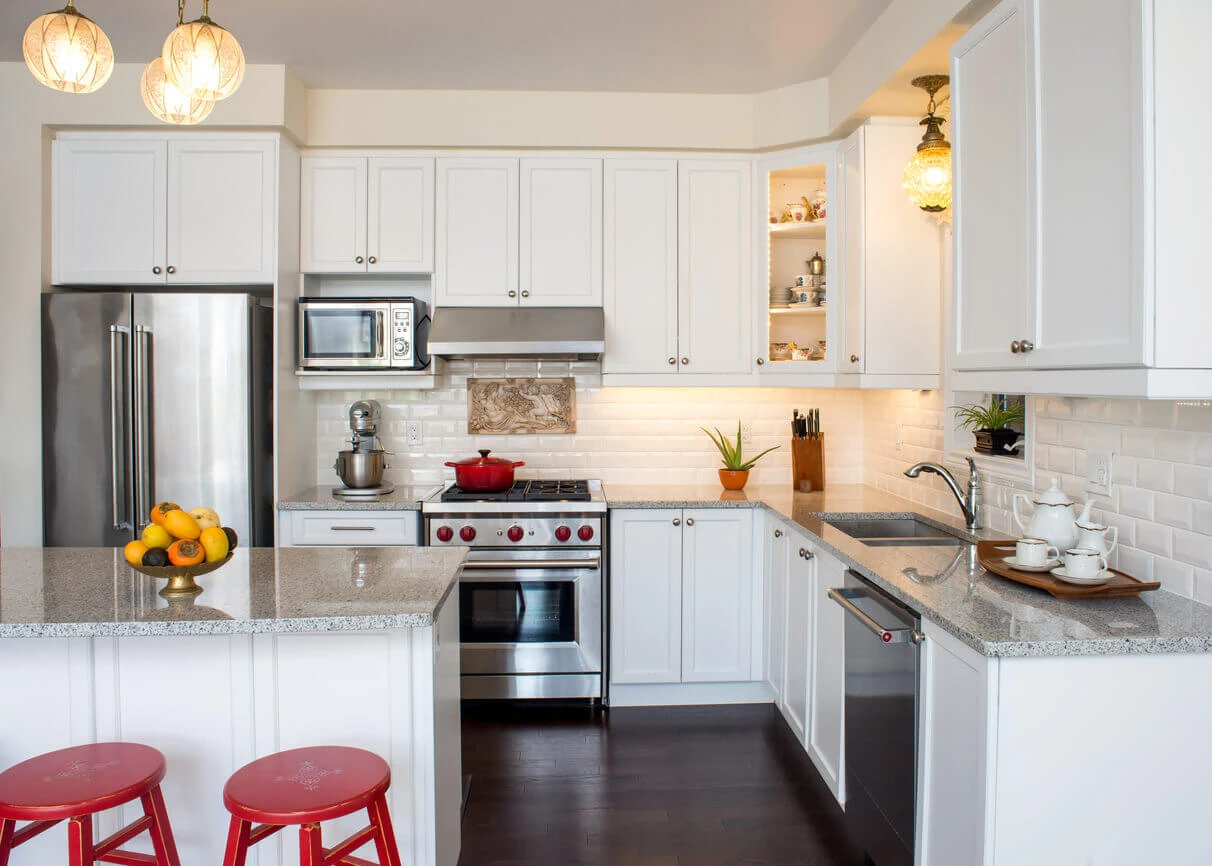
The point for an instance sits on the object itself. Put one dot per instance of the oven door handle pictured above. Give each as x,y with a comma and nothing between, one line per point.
524,564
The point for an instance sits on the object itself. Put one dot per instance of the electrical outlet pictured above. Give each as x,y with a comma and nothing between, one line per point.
1098,472
412,432
746,431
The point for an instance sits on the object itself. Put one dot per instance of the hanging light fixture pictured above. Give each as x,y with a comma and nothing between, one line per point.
928,174
68,52
202,58
167,101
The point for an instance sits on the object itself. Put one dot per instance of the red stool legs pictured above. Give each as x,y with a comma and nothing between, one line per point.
160,830
6,839
385,837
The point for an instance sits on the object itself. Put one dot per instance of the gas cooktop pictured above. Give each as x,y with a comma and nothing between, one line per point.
523,491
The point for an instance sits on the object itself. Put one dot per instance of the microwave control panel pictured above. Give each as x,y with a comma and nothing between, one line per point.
401,334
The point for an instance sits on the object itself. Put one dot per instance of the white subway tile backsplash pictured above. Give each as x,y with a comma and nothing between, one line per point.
1155,475
1193,548
1175,577
1193,481
1155,538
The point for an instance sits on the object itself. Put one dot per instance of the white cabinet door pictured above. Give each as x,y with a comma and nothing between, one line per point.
222,212
399,215
333,222
715,248
952,723
827,680
717,595
775,613
1090,214
993,199
850,275
561,233
109,202
477,233
640,270
646,596
801,581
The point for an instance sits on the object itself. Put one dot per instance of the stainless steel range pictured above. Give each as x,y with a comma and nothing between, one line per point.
531,594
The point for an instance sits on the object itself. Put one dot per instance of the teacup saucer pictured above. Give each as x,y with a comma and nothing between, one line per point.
1022,566
1102,577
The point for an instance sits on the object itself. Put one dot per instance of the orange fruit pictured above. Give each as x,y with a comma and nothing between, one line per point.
185,551
214,542
134,551
156,536
160,510
181,525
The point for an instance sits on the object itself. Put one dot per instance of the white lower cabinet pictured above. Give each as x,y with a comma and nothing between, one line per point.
347,528
681,596
801,574
776,542
827,677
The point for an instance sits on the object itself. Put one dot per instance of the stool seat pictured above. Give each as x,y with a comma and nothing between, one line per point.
79,780
304,786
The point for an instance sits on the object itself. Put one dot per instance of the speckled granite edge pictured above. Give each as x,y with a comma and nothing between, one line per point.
653,505
403,498
293,625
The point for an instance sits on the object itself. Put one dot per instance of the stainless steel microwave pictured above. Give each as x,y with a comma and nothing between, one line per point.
362,334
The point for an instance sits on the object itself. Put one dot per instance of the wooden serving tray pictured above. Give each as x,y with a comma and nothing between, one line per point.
991,553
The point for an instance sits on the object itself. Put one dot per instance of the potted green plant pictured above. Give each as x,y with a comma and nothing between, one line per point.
991,424
736,468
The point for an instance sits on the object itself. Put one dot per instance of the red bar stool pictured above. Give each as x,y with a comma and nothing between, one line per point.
72,784
305,787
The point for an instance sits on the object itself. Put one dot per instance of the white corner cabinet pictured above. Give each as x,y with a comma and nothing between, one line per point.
518,232
145,209
683,602
803,648
367,214
677,269
1080,195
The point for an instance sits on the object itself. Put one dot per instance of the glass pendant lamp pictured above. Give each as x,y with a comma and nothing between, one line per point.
927,177
203,59
68,52
167,102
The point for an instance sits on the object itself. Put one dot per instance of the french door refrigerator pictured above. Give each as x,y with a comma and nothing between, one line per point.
149,397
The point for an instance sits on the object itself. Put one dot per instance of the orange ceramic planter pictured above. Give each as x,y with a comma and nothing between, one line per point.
734,479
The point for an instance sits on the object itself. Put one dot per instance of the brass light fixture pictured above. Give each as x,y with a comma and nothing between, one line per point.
203,59
68,52
928,175
167,101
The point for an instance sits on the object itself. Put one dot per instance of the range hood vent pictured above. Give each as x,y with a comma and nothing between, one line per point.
554,333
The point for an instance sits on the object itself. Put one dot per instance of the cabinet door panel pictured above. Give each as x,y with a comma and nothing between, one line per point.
992,184
717,593
333,214
222,212
641,266
109,212
477,233
561,233
827,682
775,615
399,221
801,577
645,596
851,245
714,272
1090,212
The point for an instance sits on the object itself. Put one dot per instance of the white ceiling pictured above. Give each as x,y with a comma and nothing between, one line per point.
674,46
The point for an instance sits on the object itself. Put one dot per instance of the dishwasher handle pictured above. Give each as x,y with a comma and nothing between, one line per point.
902,634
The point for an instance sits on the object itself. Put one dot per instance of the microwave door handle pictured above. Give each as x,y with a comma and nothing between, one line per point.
383,336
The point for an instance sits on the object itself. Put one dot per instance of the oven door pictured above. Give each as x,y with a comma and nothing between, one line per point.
531,612
349,335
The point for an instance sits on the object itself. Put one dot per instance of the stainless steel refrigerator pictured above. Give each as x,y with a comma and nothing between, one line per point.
154,396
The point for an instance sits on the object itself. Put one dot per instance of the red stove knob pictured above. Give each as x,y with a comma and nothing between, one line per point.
515,533
445,533
467,533
563,533
585,533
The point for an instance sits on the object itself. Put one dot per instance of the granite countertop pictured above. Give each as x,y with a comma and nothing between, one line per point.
403,498
997,617
86,592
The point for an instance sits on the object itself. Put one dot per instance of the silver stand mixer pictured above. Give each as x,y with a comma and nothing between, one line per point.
361,467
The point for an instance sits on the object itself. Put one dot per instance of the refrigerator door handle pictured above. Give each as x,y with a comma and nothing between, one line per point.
117,425
143,468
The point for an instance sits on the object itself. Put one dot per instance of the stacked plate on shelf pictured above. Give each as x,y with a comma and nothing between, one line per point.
781,297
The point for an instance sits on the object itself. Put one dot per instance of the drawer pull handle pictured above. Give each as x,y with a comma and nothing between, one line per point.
352,528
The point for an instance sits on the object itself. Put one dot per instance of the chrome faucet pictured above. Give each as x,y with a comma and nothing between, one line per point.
970,504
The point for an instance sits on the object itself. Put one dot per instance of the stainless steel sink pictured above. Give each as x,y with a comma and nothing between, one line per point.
897,532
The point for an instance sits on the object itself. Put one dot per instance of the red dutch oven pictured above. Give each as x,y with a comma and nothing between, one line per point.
484,473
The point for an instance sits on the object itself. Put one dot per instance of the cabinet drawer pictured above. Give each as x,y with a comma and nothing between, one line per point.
346,528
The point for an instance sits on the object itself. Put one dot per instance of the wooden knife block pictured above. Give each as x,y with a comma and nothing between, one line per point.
808,464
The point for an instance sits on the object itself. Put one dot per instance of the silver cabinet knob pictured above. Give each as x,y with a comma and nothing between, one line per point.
172,269
802,552
525,293
854,359
1015,347
761,362
690,521
359,260
778,533
677,521
512,293
372,260
685,361
673,362
1026,346
157,270
808,554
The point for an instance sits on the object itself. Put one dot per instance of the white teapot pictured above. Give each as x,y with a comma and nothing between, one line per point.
1054,518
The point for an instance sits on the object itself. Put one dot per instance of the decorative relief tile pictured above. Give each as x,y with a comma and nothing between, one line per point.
511,406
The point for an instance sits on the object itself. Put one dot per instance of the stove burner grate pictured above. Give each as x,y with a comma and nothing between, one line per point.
524,491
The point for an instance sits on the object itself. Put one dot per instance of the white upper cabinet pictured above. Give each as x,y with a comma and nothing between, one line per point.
477,237
561,233
717,595
163,210
646,596
641,266
714,265
850,248
367,214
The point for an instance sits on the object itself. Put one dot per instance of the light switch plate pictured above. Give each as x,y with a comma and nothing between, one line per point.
1098,472
412,432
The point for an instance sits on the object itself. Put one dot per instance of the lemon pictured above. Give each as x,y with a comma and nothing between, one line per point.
214,541
156,536
134,551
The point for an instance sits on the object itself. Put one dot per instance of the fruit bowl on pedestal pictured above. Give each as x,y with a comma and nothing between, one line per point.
181,577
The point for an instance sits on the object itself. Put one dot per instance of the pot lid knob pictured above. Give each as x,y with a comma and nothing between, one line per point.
484,452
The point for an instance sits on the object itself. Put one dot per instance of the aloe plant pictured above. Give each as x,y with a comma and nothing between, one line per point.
734,457
998,415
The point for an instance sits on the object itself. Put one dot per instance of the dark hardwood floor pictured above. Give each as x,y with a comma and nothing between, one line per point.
695,786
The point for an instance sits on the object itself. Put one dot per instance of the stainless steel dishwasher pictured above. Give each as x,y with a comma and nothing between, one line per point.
882,666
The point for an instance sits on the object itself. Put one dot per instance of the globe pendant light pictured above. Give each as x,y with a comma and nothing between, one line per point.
167,102
68,52
203,59
927,177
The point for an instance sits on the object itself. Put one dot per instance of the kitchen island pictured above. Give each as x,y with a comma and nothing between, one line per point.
283,648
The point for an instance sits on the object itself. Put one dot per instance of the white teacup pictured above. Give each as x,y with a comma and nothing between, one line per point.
1034,551
1084,562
